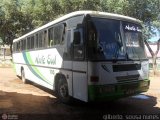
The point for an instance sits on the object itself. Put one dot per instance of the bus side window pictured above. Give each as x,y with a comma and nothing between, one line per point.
22,44
64,34
32,42
45,42
36,41
78,52
40,34
50,37
25,44
68,52
58,33
18,46
15,46
28,43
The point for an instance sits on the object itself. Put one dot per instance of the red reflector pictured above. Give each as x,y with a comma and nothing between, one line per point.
94,78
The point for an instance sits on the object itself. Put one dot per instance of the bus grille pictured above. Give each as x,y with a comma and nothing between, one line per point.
126,67
127,78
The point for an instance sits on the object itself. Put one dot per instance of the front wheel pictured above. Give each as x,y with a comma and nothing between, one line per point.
62,91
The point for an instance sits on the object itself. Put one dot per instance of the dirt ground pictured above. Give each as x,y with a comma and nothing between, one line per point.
32,102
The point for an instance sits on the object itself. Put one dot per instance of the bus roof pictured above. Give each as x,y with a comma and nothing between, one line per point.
94,13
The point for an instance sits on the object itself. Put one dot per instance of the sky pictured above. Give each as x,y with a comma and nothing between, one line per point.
155,37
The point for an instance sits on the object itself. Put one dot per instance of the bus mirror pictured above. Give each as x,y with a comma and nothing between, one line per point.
77,38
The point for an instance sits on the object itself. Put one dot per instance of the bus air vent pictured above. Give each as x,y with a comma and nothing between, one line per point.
126,67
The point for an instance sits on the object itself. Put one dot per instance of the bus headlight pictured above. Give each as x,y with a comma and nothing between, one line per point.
145,69
144,84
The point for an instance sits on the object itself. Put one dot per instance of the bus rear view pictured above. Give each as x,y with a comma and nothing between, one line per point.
117,63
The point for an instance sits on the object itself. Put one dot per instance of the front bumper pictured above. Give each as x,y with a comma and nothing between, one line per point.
116,91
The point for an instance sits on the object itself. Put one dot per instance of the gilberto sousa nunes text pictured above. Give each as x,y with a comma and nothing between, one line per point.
131,117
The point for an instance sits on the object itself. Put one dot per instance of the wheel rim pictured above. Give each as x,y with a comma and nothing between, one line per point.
63,90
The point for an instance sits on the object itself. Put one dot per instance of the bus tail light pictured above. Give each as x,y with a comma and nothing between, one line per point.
94,78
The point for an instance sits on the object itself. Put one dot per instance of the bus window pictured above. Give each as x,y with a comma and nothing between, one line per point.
64,34
58,33
28,43
45,41
19,47
15,46
78,44
68,53
50,37
40,39
25,44
21,42
22,45
32,42
36,41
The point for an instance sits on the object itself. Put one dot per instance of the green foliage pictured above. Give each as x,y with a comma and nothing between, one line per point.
156,23
115,6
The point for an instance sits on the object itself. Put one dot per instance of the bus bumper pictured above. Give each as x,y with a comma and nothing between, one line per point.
116,91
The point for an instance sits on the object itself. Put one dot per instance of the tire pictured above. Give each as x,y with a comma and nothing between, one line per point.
23,76
62,91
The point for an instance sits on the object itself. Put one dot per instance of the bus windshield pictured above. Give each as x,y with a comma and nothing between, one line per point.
133,40
110,39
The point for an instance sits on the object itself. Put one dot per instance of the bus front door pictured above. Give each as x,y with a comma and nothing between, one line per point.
79,67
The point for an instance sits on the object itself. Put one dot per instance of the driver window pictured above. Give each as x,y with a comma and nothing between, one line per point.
78,44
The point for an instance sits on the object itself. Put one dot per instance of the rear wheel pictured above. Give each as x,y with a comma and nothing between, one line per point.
23,76
62,91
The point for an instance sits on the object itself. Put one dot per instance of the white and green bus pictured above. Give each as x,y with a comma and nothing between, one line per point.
87,55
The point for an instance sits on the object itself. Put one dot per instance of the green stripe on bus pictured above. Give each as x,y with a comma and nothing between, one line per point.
94,94
35,68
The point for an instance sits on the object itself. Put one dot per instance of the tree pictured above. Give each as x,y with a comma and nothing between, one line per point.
147,11
18,17
115,6
45,11
154,55
13,21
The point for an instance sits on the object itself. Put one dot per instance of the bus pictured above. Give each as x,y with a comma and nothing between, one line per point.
85,55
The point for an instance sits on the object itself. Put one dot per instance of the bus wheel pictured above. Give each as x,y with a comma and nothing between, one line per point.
23,76
62,91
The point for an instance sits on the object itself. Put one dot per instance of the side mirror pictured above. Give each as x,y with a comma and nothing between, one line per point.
77,38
